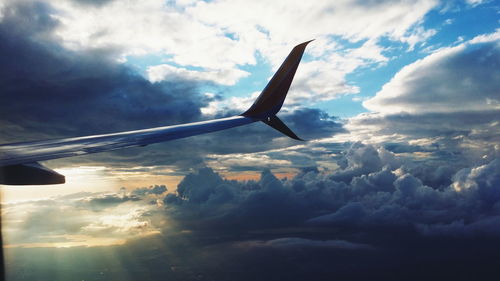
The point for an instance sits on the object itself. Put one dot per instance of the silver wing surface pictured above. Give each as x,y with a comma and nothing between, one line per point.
19,161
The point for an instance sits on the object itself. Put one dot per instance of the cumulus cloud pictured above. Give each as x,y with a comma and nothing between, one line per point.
372,206
372,189
381,209
444,105
156,189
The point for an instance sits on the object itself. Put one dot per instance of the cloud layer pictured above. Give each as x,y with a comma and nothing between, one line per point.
372,206
372,189
445,105
205,43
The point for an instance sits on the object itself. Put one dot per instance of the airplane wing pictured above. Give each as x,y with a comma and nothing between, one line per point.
19,161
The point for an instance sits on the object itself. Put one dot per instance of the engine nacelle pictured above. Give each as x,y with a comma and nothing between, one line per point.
29,174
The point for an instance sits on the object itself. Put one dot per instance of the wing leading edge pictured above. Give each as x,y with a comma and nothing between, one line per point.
19,161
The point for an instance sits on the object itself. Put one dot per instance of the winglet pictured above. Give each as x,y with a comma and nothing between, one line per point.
272,97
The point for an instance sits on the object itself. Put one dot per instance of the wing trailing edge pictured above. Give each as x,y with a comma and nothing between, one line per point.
275,123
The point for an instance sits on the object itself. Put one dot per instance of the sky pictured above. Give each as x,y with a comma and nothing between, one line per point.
399,101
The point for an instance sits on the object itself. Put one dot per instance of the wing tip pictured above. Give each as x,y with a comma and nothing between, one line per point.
272,97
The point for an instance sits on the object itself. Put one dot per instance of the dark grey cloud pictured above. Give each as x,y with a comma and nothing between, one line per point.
372,188
105,201
155,189
51,91
380,222
476,125
307,123
372,202
361,160
443,142
294,242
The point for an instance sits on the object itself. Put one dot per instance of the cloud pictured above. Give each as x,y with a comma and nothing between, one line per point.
157,190
322,18
93,2
157,27
294,242
105,201
371,190
475,2
99,95
361,160
80,219
199,40
260,227
444,105
165,72
337,211
260,143
456,79
251,24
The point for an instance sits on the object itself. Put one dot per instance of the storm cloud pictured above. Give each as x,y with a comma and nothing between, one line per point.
313,226
371,189
52,91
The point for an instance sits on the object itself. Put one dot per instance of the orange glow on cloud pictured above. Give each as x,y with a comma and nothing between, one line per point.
246,176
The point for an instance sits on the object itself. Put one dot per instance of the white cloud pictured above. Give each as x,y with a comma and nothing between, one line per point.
228,34
167,72
141,27
475,2
90,219
255,160
324,79
288,22
447,100
461,78
495,36
418,35
233,103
